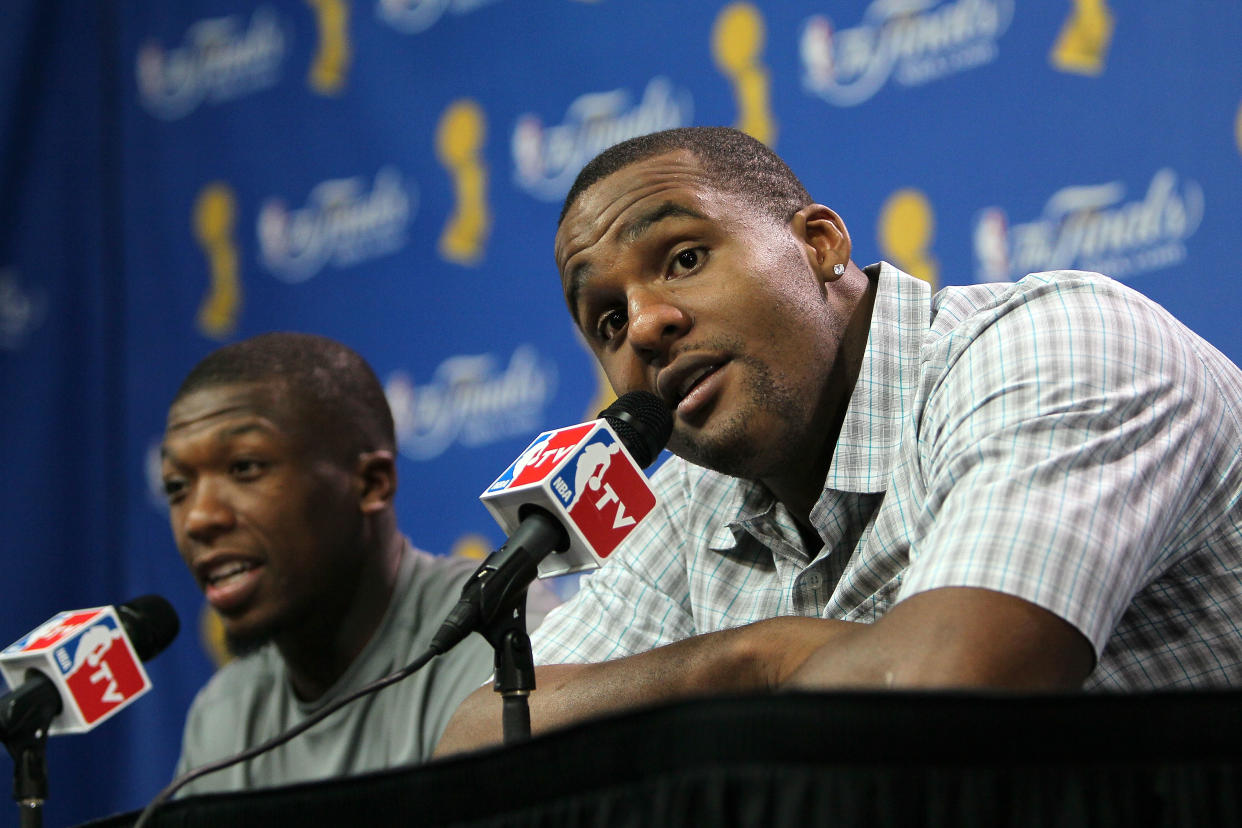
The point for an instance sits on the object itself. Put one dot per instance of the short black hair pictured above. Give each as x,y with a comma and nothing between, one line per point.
331,387
734,161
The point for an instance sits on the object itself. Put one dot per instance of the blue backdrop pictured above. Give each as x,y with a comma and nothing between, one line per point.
174,176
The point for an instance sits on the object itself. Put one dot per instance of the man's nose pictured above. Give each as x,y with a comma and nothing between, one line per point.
656,322
208,513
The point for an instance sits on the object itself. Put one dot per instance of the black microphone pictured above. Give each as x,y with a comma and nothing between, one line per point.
151,623
79,668
572,492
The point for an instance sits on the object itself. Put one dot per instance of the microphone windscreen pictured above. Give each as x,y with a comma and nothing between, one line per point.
151,623
642,422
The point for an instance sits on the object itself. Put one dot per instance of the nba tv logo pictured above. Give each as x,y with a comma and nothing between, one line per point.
584,476
603,491
87,655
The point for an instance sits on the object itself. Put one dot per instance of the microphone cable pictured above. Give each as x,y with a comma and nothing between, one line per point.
251,752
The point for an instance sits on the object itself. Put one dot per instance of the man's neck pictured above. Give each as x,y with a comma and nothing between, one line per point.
316,655
801,490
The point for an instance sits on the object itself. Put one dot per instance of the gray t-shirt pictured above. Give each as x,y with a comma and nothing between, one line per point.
250,699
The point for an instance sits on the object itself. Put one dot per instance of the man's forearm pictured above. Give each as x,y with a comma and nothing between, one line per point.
948,637
756,657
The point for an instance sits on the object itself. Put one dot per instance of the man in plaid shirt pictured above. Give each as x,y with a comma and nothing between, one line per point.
1024,486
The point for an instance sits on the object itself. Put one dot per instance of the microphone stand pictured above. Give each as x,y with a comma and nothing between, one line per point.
25,715
515,669
493,603
29,776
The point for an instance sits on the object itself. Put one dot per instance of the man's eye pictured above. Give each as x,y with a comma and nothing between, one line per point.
688,259
173,489
610,324
246,469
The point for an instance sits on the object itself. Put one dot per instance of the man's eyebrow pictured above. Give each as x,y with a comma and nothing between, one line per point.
221,436
578,275
244,428
629,233
634,230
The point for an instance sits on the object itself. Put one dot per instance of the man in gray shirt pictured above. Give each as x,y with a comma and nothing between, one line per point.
278,464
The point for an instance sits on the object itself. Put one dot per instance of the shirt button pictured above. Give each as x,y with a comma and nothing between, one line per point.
811,579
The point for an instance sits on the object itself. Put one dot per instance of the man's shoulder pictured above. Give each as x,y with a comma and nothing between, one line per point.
958,300
430,587
440,569
1041,304
957,314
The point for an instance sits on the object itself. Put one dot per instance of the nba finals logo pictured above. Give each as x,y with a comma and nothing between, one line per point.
414,16
215,219
910,41
1093,227
1083,42
459,146
546,159
327,72
222,59
737,45
471,400
342,223
906,228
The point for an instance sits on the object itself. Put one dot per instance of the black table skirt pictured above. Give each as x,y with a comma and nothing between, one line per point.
839,759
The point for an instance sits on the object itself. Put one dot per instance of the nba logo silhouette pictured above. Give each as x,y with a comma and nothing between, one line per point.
991,239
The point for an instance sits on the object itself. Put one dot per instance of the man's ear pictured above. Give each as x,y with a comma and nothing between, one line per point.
826,238
377,474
